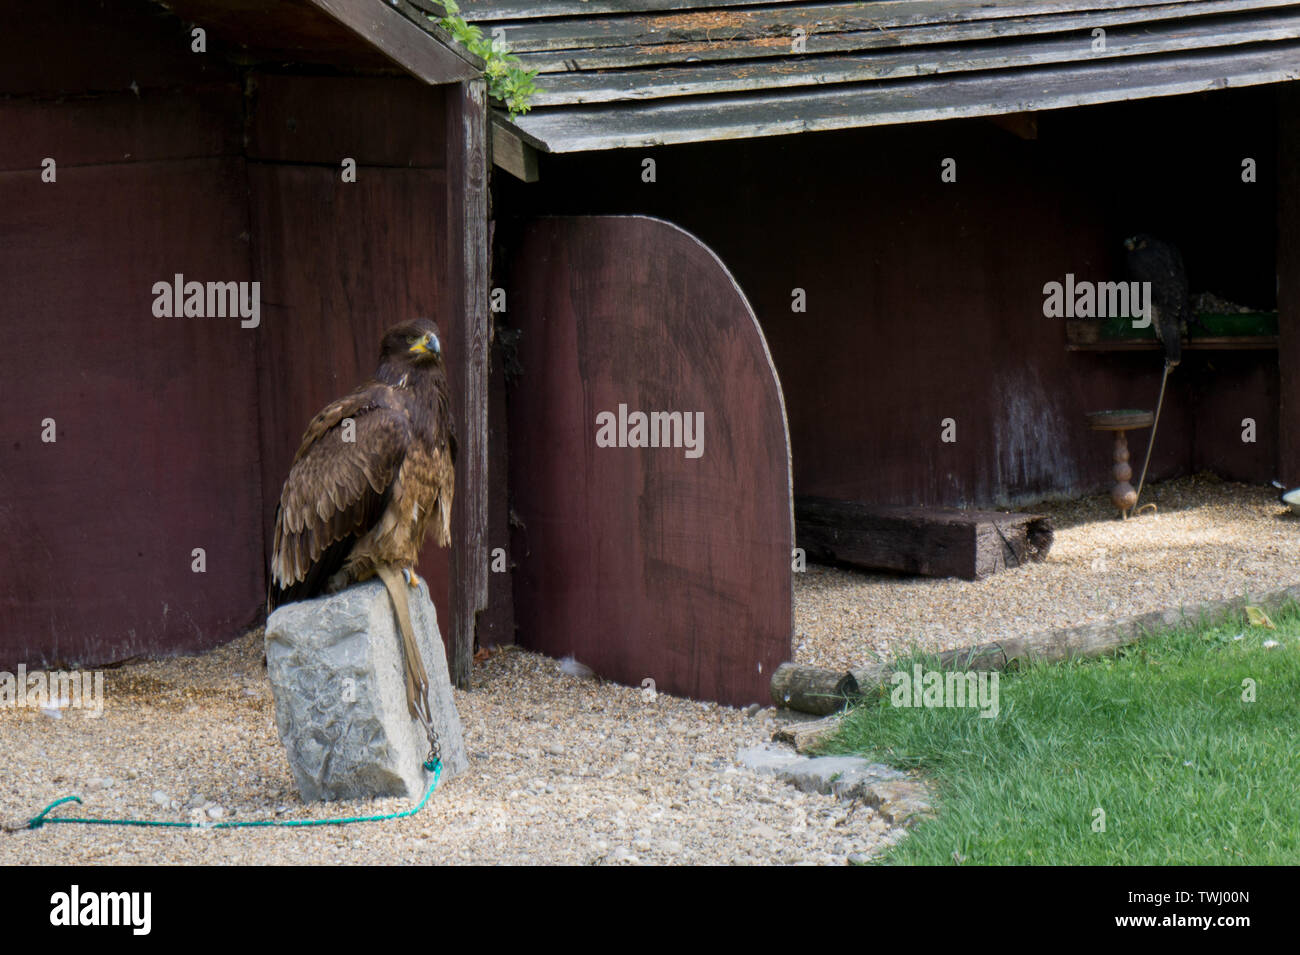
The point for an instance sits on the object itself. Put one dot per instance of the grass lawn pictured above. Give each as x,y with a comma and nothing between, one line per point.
1158,737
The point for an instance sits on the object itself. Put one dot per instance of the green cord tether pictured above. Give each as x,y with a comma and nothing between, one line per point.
43,818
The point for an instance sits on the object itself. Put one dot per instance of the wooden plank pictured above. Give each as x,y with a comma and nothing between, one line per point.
787,72
85,46
512,154
285,31
807,737
645,563
718,118
468,336
607,42
897,38
156,449
121,127
1253,343
423,50
942,11
931,541
339,263
497,624
1288,283
372,119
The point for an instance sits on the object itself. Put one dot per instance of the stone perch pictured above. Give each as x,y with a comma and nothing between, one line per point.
336,671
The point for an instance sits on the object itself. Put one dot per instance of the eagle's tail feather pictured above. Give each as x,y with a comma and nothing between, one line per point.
316,581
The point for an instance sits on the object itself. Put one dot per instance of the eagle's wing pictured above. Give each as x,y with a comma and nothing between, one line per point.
336,490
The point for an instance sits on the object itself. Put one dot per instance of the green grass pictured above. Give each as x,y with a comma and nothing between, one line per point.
1158,737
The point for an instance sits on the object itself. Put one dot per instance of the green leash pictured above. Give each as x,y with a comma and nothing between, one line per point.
43,818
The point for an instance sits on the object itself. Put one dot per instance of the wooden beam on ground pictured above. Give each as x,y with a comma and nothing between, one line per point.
468,353
1049,646
1288,283
932,541
511,153
812,689
807,737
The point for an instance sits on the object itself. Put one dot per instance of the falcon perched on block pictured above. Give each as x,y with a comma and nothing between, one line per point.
373,474
1156,261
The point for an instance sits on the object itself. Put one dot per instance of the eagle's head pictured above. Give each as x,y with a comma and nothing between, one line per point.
411,343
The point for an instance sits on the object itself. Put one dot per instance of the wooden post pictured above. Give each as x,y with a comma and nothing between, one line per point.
1288,283
467,244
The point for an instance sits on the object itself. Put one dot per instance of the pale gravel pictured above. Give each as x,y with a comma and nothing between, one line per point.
563,770
579,771
1208,540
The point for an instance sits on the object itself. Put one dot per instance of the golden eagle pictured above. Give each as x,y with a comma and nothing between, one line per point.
373,472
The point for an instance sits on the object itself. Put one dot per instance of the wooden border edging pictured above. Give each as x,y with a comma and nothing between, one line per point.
822,691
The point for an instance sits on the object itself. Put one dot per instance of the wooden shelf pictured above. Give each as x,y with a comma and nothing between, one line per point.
1100,335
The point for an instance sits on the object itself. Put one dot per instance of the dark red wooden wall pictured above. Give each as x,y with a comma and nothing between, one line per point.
924,298
642,562
157,419
340,262
177,433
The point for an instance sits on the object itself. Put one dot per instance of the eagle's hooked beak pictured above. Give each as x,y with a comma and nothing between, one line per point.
426,345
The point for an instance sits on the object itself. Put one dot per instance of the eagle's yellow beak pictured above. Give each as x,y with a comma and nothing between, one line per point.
423,346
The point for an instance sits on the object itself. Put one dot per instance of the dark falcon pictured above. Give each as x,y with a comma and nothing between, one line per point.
1156,261
373,474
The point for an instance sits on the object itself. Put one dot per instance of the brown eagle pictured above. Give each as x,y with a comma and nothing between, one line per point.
373,473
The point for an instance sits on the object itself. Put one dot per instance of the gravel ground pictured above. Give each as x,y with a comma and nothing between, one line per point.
1209,540
563,770
572,770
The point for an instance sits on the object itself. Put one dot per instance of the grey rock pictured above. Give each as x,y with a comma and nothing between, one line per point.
337,675
846,777
859,782
905,801
819,774
767,759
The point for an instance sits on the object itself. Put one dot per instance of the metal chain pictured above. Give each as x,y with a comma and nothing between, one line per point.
425,716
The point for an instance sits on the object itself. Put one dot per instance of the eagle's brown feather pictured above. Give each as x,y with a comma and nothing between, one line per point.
348,506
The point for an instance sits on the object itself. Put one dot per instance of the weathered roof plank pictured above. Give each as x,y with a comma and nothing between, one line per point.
618,73
696,119
712,78
597,58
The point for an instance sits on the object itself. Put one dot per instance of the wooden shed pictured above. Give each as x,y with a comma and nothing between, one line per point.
330,152
892,186
836,215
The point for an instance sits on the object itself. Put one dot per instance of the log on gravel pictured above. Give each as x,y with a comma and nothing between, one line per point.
812,689
931,541
1049,646
806,737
